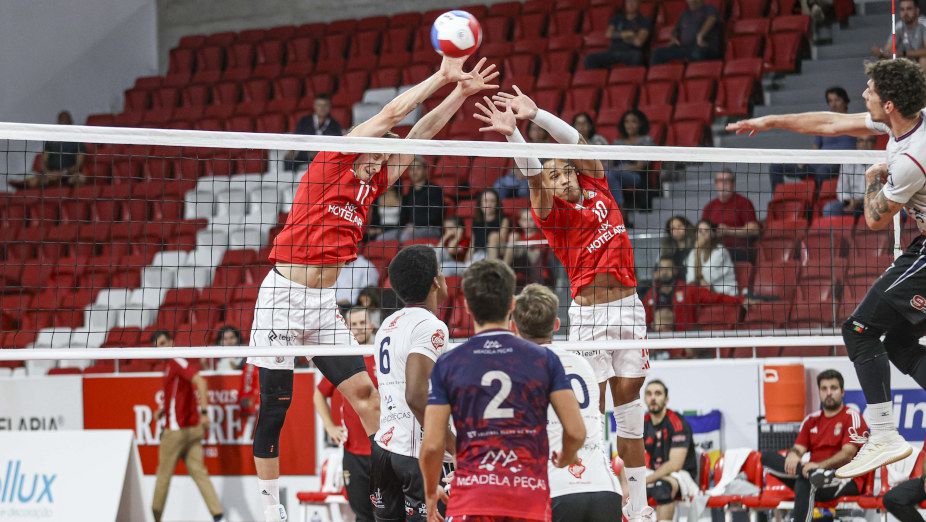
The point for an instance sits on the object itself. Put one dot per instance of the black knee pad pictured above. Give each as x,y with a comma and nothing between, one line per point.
276,394
903,349
863,343
661,492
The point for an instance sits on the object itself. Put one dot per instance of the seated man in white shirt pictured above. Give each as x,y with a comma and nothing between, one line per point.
850,188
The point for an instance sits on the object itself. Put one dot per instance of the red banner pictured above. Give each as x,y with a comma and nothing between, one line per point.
129,402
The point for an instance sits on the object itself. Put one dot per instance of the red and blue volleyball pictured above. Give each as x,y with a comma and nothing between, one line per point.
456,34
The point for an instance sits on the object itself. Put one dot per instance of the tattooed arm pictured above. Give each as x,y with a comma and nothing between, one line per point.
879,210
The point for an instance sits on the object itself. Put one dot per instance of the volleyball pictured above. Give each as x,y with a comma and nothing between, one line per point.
456,34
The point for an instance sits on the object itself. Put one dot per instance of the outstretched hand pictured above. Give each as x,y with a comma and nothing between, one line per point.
502,122
480,78
751,126
524,108
452,69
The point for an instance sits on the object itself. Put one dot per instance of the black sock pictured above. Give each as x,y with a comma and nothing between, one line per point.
919,373
874,375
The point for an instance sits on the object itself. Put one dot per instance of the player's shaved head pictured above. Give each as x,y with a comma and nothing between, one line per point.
412,272
535,312
488,286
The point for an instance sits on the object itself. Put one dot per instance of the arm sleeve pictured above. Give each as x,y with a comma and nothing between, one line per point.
558,380
874,126
561,131
326,387
437,395
803,438
527,166
429,338
906,177
187,369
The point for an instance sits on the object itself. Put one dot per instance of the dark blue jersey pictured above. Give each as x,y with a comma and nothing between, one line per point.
498,387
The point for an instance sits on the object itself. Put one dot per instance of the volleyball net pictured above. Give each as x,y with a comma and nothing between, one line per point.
108,235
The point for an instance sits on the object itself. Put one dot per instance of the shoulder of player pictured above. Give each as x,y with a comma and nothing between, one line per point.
853,415
676,420
812,418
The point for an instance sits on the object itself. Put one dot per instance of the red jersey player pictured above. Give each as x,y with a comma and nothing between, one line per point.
583,225
296,301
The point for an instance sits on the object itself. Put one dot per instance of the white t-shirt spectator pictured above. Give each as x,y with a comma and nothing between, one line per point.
718,271
851,184
353,278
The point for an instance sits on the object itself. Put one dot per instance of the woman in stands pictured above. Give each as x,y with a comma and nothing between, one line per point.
490,227
583,123
709,262
679,239
633,176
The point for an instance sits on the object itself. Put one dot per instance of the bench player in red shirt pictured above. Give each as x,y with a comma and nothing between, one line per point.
296,302
583,225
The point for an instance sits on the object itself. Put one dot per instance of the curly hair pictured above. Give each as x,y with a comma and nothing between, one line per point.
901,82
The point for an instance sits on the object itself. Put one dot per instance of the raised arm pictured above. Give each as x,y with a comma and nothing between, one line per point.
505,123
879,207
525,109
816,123
431,123
451,70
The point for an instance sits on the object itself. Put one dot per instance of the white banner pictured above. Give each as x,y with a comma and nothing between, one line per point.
42,404
70,475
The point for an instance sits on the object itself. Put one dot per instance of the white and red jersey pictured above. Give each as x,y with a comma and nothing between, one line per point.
825,436
329,213
589,237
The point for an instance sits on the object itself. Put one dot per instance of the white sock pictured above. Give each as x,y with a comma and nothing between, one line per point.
269,491
880,417
636,481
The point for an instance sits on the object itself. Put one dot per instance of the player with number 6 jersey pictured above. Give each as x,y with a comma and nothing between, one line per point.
497,388
406,347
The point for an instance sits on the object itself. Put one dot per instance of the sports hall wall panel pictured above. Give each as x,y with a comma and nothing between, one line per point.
79,56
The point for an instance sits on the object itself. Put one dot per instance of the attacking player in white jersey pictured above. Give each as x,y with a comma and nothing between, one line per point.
407,345
586,491
895,306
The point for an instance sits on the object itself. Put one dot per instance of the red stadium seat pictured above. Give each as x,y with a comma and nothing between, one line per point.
757,26
697,90
744,46
597,19
801,191
537,6
634,75
702,112
137,99
496,29
550,100
796,23
531,25
670,12
671,72
405,20
657,113
718,317
686,134
782,51
564,22
779,279
751,67
595,78
658,93
706,69
520,65
581,99
749,8
734,96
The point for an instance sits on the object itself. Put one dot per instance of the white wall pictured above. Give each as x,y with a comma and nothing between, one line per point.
75,55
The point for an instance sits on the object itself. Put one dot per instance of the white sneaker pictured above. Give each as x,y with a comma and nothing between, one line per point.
646,514
275,513
880,449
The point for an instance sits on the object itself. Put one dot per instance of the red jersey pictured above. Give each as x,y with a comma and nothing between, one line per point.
589,238
249,389
685,299
357,441
825,436
180,403
736,212
329,213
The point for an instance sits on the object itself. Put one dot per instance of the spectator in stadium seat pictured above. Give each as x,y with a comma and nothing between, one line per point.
709,263
228,336
838,101
386,215
184,429
356,275
668,291
850,188
830,436
319,123
513,184
583,123
628,32
531,261
490,227
735,217
632,176
454,250
371,299
911,36
823,14
62,162
669,443
422,206
696,36
678,240
903,500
